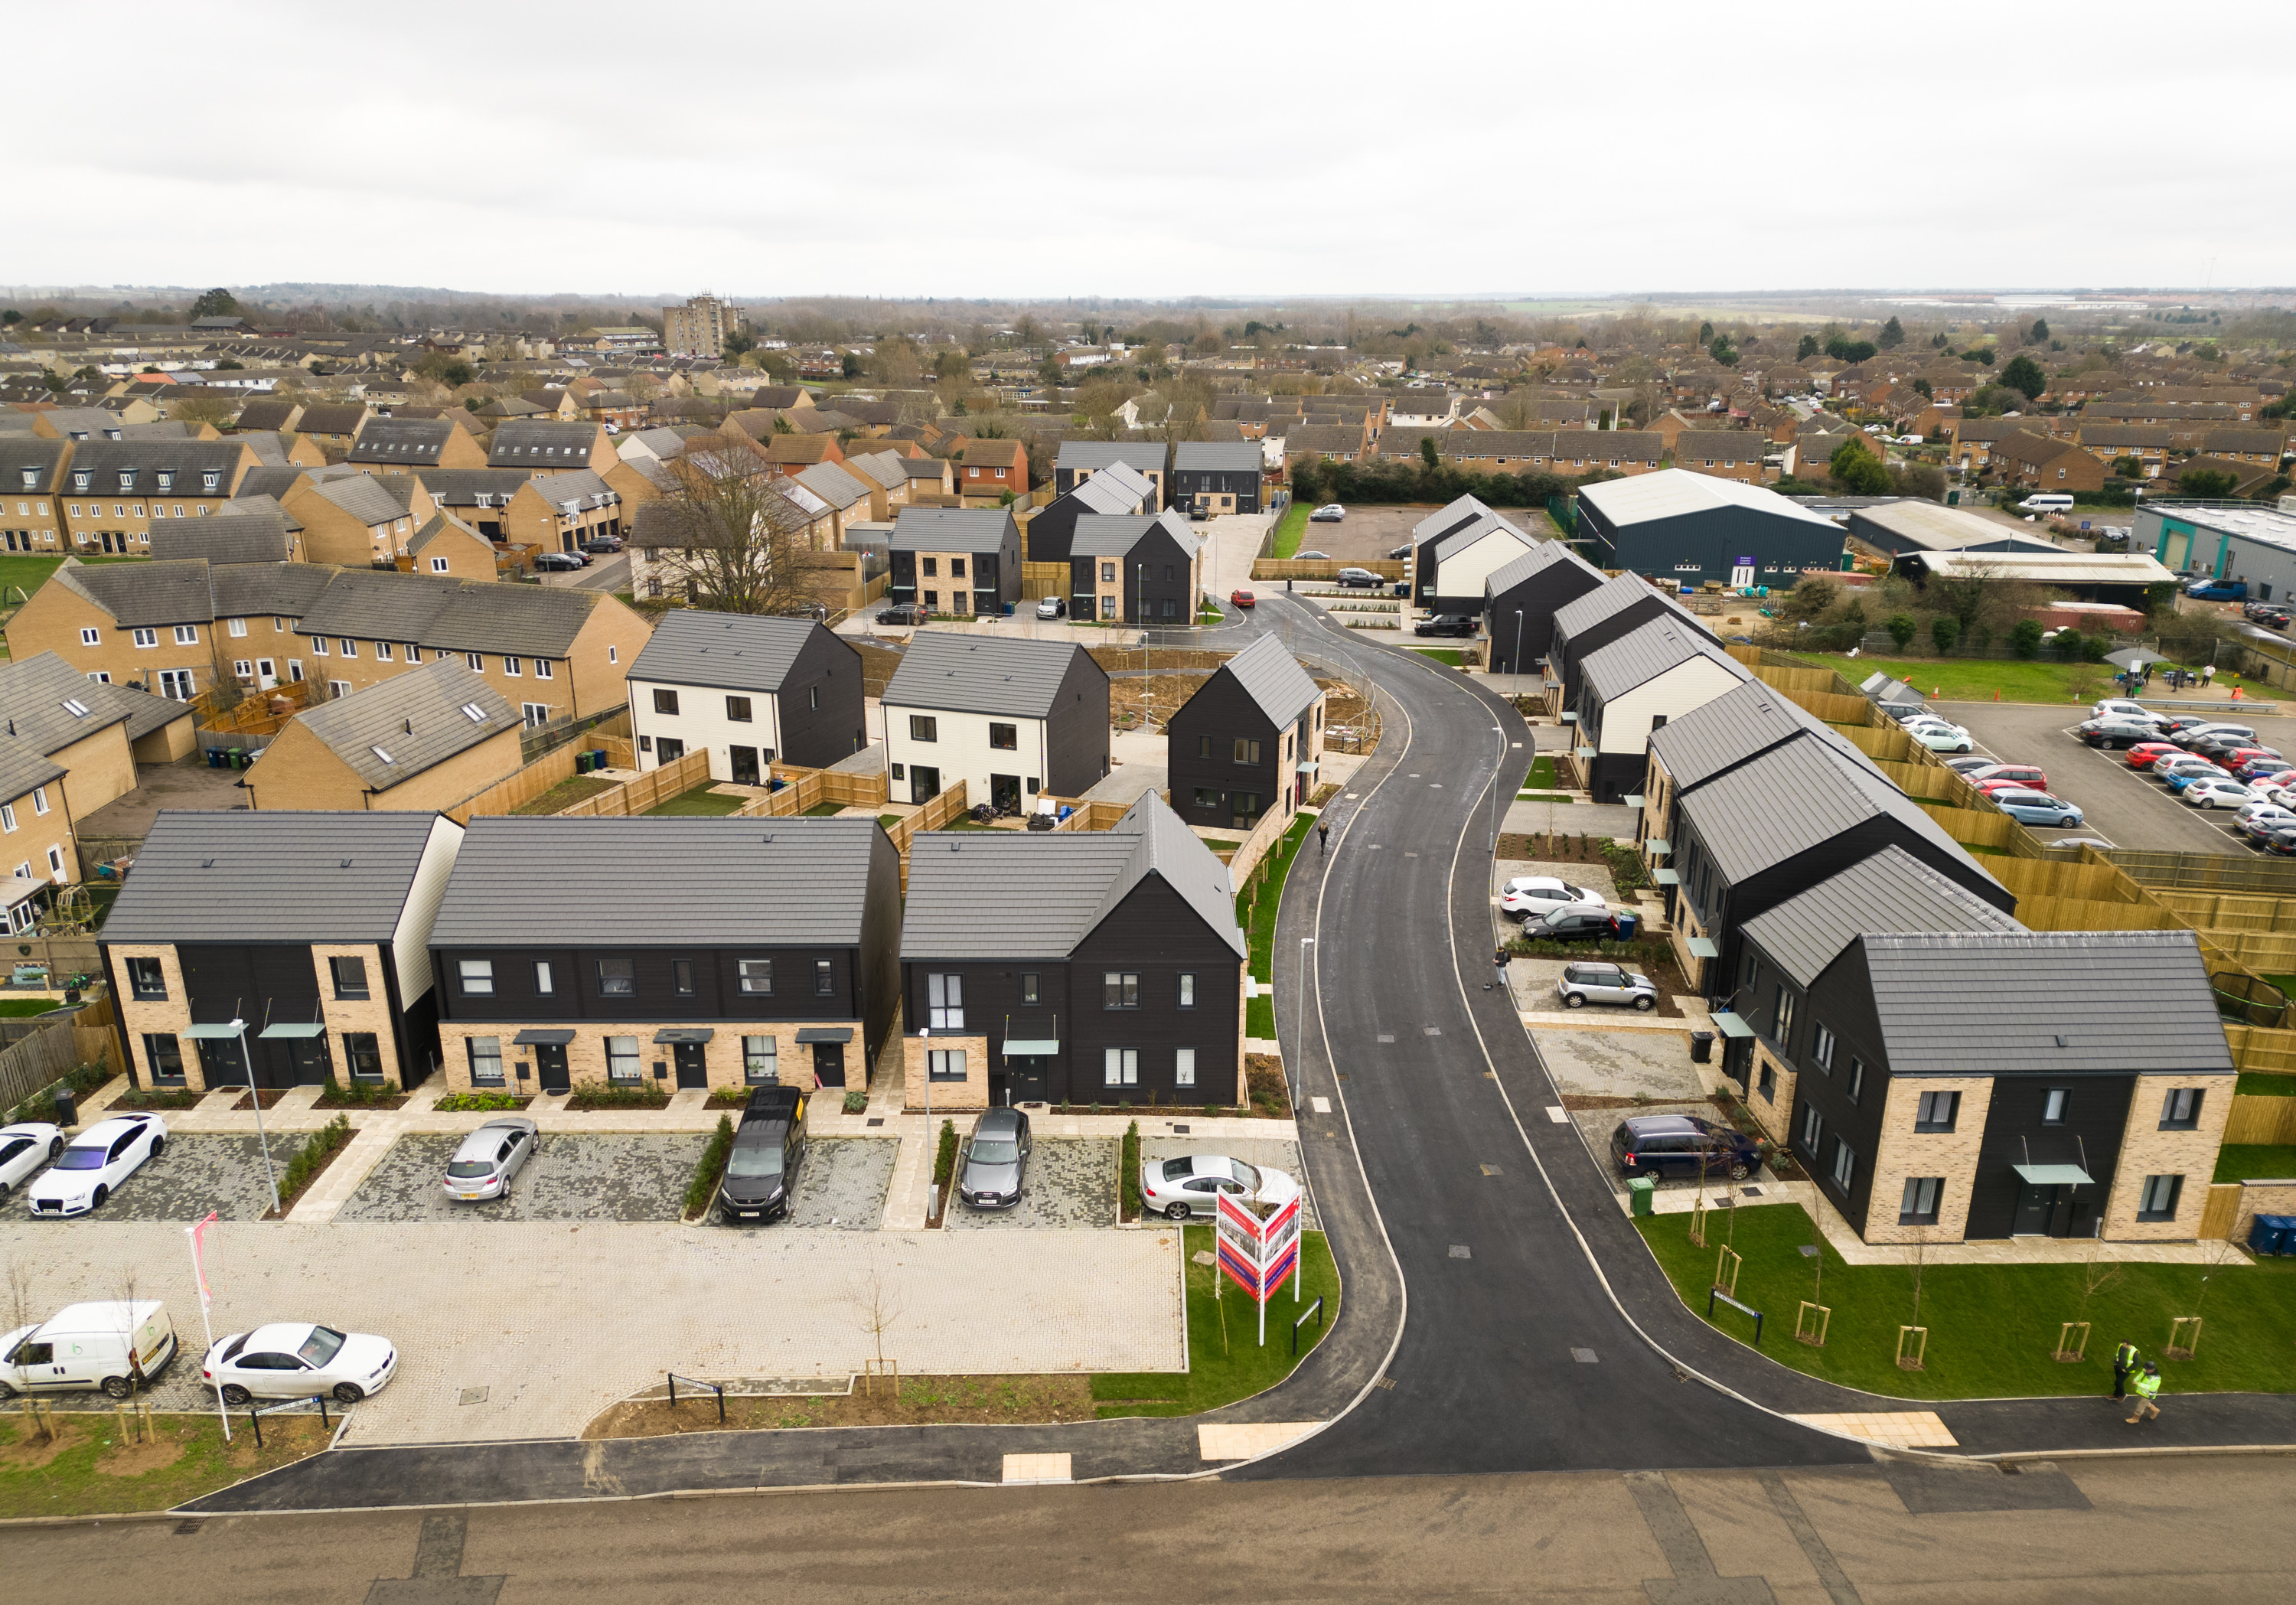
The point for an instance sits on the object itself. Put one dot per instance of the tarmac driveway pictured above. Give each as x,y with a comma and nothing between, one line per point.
1071,1182
573,1177
194,1173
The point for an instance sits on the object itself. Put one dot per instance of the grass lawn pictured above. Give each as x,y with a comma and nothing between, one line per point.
2248,1162
1977,679
889,820
2286,983
1451,655
1225,1361
701,799
1258,923
2256,1084
1560,797
1991,1326
1542,772
1293,525
565,794
24,1008
824,810
88,1471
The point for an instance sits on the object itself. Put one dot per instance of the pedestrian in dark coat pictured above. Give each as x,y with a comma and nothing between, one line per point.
2124,1362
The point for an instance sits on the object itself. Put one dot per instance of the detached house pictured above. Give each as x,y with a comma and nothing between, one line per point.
426,740
989,471
751,692
1135,568
1214,477
1117,977
765,952
1631,688
1521,598
1010,718
309,930
961,561
1251,739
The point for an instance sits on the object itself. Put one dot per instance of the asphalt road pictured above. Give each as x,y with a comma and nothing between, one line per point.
2103,1531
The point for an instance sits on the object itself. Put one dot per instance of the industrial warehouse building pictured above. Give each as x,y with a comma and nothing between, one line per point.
1690,527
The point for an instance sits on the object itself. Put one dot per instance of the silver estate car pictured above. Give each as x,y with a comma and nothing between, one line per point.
489,1156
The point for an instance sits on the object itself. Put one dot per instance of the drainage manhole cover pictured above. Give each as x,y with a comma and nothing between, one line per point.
1461,1251
1180,1130
473,1396
874,1120
1387,1036
1585,1357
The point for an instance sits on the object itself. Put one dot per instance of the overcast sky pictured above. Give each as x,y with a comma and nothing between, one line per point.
1177,148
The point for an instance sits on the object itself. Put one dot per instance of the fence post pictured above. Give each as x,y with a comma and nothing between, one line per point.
255,1420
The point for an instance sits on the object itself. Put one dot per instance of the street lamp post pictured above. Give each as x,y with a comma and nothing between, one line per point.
1299,1024
1517,664
1498,767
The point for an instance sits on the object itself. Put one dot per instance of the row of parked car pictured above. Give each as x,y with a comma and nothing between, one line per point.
2020,790
118,1346
2209,764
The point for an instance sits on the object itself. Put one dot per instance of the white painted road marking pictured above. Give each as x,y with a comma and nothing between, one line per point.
1556,1113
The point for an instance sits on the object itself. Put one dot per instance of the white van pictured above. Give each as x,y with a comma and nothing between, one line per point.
2050,502
100,1344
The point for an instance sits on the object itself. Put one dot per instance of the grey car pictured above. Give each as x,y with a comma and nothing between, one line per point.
996,1161
489,1156
1586,982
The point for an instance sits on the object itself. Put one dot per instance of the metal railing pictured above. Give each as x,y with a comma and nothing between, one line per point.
697,1383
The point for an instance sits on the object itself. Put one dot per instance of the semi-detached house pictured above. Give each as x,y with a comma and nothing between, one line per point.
1631,688
1009,718
1521,598
750,692
960,562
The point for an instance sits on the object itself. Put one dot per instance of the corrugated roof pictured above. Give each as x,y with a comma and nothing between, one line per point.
1642,654
1914,525
736,651
2041,1002
1794,797
961,903
2051,568
398,728
224,876
1582,613
1461,540
699,882
981,674
1546,555
1671,492
1892,891
1456,516
1272,677
952,528
1750,719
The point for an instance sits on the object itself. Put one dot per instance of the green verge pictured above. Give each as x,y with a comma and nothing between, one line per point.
1451,655
1991,1327
1542,774
94,1473
2257,1084
1977,679
1225,1361
1259,921
24,1008
701,799
1288,531
702,1188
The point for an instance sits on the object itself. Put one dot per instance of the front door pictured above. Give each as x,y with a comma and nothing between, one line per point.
667,750
829,1063
1243,810
1028,1078
692,1069
550,1065
925,782
266,673
2037,1209
312,1064
1004,792
744,764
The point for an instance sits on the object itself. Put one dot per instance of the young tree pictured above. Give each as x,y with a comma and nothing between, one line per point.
2024,374
739,540
1945,631
2025,637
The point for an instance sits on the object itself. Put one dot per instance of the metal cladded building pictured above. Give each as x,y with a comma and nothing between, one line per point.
1689,528
2248,542
1521,599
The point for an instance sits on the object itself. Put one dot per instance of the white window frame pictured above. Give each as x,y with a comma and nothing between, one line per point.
39,800
477,660
437,565
91,636
144,637
542,668
1119,1066
1183,1067
237,626
187,634
945,1001
7,816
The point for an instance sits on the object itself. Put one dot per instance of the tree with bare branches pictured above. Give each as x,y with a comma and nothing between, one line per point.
725,534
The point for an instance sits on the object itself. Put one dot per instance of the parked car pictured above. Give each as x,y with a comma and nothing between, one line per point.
2235,754
1329,512
2184,722
996,1161
1053,607
298,1360
1664,1145
1969,762
2267,821
2037,809
2192,736
2282,842
1528,897
2177,772
486,1161
2110,731
1242,599
1446,624
1399,553
768,1150
1988,787
1941,737
2272,619
1192,1184
2145,753
2121,708
1597,983
24,1148
1312,557
2030,775
603,543
1573,922
1362,579
559,562
903,613
2263,766
2223,792
95,1163
110,1344
2217,590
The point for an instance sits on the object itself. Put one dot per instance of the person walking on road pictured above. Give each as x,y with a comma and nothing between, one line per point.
2124,1361
1324,835
1500,963
2147,1383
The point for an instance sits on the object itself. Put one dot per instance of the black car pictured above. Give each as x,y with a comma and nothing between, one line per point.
1664,1145
559,562
2282,842
1446,624
768,1150
2116,732
903,613
1573,922
1362,579
603,543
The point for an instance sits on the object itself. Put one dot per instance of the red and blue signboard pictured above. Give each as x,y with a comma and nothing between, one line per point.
1258,1256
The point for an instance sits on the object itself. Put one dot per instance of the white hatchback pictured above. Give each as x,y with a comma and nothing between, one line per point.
24,1148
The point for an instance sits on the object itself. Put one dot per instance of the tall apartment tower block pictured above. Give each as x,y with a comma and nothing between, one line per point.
699,327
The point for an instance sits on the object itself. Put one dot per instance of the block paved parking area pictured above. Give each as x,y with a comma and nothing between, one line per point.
1596,1125
840,1185
193,1173
573,1177
1071,1182
555,1320
1278,1155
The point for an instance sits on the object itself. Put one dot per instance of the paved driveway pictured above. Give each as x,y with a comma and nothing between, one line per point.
1275,1154
572,1178
1071,1182
842,1185
194,1174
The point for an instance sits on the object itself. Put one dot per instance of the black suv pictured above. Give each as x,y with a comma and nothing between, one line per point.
1662,1145
1446,624
769,1149
903,613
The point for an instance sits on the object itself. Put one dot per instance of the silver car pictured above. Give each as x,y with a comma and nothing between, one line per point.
996,1160
1588,982
489,1156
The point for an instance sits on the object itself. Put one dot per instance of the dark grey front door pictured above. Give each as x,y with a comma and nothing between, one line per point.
2037,1208
829,1063
1028,1078
692,1069
925,782
1005,791
312,1063
550,1065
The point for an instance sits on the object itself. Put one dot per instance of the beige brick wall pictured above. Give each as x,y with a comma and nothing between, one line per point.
608,643
35,833
953,590
1686,926
2146,1150
349,1015
1773,1113
2257,1197
103,769
1905,1152
586,1055
171,1018
299,771
971,1093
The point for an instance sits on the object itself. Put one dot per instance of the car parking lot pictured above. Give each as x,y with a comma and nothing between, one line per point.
1070,1183
193,1173
840,1184
573,1177
1365,533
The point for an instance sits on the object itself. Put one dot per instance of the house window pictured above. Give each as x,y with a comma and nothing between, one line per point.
945,1064
618,977
1028,987
622,1058
2156,1200
1813,1127
956,564
824,979
1187,989
318,646
2180,1111
900,771
737,710
1004,738
760,1058
665,700
147,981
933,568
39,800
1203,747
1782,1024
7,816
91,637
146,637
363,1053
163,1055
486,1061
681,977
1206,797
534,714
923,727
1183,1067
1120,1067
1937,1111
2055,1104
477,661
478,977
813,696
437,565
55,861
542,670
1119,989
1246,751
1857,1078
511,666
1844,1168
1108,574
613,654
945,1001
349,973
350,647
1769,1082
1918,1205
1821,1049
544,983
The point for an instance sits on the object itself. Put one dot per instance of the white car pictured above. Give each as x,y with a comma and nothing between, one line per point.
1941,737
1192,1185
1534,896
1329,512
296,1360
2121,708
23,1150
2225,793
96,1162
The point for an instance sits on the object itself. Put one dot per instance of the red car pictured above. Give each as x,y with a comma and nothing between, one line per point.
2145,753
2029,775
2000,783
1242,599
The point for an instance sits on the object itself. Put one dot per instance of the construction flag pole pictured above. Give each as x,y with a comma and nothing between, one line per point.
196,1236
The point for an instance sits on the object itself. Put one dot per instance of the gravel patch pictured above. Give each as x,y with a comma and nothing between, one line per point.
1070,1182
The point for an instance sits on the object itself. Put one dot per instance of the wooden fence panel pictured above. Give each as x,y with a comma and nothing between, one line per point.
654,786
39,1060
2270,1122
1297,568
2266,1049
2208,871
2221,1214
2230,911
2087,882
